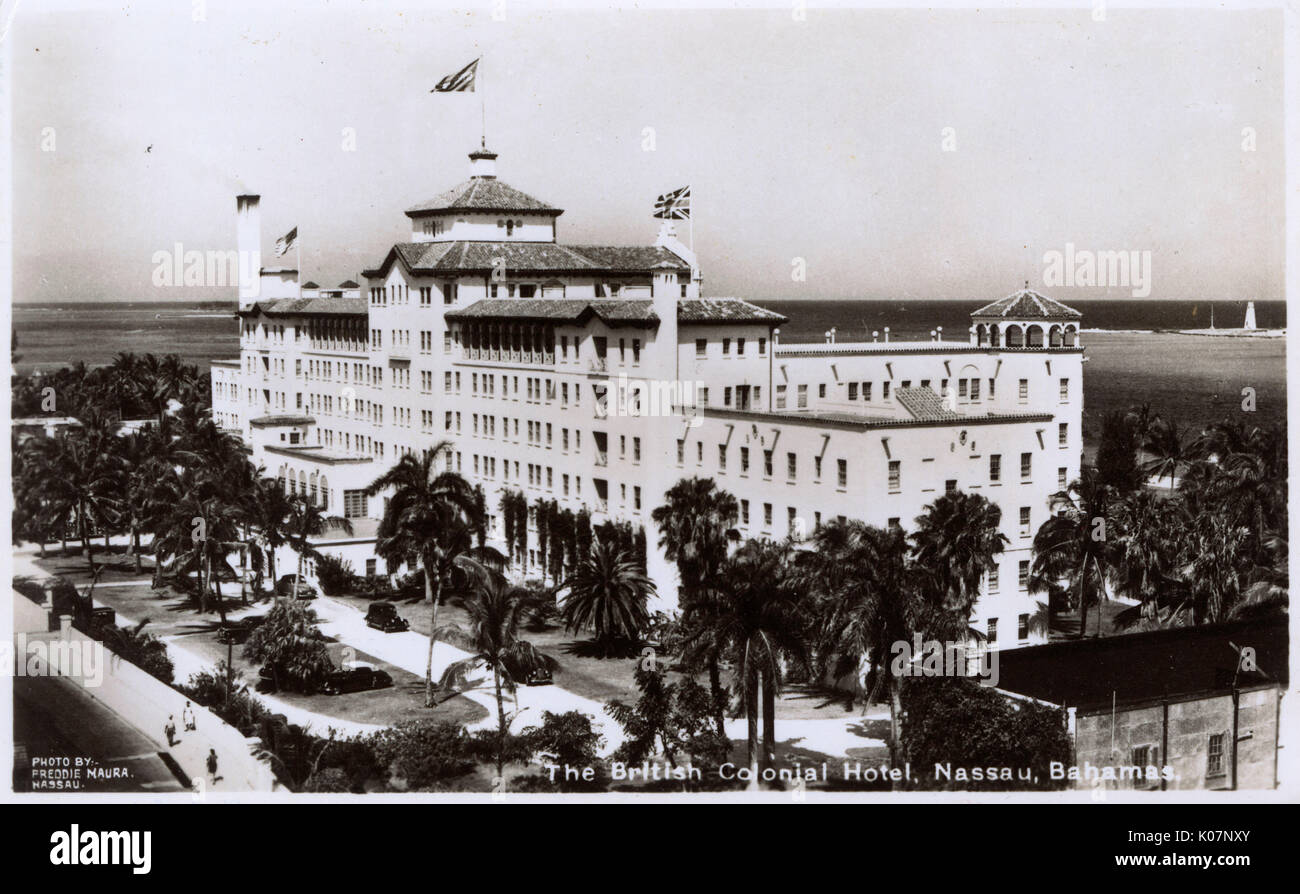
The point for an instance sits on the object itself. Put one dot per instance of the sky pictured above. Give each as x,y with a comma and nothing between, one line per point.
905,155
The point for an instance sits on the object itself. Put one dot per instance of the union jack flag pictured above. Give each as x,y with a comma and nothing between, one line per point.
460,82
675,205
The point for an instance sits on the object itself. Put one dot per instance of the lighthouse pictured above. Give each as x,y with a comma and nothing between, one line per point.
1250,316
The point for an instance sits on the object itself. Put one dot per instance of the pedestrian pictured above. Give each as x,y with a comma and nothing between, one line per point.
212,765
170,730
187,717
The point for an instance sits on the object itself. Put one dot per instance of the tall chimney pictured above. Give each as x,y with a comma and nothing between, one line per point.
248,239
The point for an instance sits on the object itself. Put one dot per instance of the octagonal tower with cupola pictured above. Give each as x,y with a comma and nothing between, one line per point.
1025,319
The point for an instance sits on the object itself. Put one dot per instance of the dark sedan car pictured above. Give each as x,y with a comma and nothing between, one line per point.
356,679
383,616
285,588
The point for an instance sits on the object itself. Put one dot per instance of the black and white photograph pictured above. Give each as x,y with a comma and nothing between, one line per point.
511,403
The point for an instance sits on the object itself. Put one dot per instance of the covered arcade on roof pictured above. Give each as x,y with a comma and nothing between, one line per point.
1025,319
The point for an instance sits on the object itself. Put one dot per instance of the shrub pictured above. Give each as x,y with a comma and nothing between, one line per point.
959,722
289,642
336,576
417,754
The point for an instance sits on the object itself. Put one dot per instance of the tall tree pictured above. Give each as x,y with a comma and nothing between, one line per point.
956,541
432,517
1073,546
306,522
495,608
697,525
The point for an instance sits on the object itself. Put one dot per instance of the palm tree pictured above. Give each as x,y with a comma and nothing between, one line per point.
268,511
78,475
956,541
432,517
759,622
495,608
1072,546
305,523
608,592
697,525
864,601
1166,444
1146,547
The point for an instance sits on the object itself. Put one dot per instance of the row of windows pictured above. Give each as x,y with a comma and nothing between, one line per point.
702,347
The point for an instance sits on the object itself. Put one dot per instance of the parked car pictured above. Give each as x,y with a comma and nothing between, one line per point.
237,632
383,616
539,676
357,678
284,587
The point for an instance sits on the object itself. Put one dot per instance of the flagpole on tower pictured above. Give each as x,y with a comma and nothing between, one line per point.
482,98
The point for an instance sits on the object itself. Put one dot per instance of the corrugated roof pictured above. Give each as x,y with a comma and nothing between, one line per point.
483,194
924,405
282,419
1027,304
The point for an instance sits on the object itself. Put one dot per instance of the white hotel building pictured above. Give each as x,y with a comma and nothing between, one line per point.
484,330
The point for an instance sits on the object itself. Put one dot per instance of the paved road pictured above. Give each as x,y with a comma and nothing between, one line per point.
55,718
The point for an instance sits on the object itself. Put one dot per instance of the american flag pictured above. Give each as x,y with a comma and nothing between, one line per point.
286,242
675,205
460,82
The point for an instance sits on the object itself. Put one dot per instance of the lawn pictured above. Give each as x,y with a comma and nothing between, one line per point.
172,614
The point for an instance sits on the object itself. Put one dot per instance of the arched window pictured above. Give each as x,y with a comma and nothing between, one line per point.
1034,337
324,493
510,228
1015,337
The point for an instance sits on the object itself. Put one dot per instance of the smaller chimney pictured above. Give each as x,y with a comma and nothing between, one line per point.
483,163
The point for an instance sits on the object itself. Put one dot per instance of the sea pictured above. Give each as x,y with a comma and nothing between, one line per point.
1135,352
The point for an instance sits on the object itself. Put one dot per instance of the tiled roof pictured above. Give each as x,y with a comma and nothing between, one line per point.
483,194
924,405
1027,304
724,310
310,285
348,284
527,257
558,310
344,306
630,311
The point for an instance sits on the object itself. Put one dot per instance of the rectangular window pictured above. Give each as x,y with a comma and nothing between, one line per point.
726,347
791,466
767,463
853,390
1024,390
866,391
744,460
767,515
1065,390
1214,755
992,631
780,397
1063,434
744,512
701,347
803,396
1026,466
722,457
1022,627
995,467
1060,479
1024,521
681,451
1023,577
974,389
895,475
762,347
884,391
843,472
993,579
354,504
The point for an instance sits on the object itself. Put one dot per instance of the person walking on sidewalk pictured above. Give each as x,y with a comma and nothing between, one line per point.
187,718
212,766
170,730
